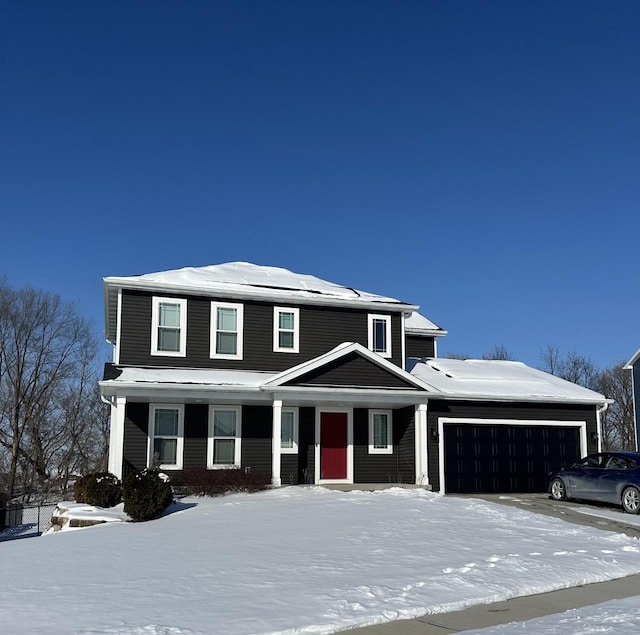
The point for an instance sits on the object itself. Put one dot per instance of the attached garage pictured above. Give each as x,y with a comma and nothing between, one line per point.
506,456
499,426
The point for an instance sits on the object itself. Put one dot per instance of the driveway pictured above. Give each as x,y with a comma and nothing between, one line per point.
605,517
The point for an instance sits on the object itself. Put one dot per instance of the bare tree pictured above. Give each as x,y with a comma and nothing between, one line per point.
499,352
618,426
572,367
46,350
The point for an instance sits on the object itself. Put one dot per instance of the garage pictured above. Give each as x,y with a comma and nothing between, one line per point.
507,458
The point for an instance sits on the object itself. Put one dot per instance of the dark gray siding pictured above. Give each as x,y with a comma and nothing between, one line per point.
306,445
136,426
420,346
352,370
257,423
384,468
196,430
321,329
495,410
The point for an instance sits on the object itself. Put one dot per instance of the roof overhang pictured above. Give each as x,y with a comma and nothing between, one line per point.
629,365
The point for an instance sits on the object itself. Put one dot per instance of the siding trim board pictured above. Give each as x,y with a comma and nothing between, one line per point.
581,426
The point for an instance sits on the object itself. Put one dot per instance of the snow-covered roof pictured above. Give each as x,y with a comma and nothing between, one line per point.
418,324
246,280
498,380
205,377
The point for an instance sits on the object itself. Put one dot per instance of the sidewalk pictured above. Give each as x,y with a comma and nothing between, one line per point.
526,607
515,610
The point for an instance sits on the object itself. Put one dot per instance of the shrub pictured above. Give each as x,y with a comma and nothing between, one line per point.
101,489
146,494
203,482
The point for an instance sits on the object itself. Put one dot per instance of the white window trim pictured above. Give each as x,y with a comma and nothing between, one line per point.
214,329
238,439
180,439
389,448
276,329
155,316
387,320
294,449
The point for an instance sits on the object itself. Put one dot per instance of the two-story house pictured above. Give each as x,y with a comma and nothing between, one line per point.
244,366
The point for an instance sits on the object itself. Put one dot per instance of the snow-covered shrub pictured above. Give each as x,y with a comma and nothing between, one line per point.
101,489
146,494
203,482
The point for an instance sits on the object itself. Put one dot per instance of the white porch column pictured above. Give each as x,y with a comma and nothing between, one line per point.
422,476
116,436
275,443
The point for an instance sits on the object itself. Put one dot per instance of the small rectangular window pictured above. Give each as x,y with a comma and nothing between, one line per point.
286,329
226,330
169,327
165,436
380,334
289,431
223,446
380,432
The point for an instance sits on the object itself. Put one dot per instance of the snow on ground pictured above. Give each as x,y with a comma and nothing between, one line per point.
617,617
297,560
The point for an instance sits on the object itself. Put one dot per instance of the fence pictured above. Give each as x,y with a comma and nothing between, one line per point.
23,521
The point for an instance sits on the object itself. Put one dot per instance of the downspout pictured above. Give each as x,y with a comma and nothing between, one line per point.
600,411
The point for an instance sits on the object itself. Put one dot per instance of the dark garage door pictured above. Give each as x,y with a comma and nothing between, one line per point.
505,458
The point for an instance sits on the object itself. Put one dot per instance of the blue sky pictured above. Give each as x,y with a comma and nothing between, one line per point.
480,159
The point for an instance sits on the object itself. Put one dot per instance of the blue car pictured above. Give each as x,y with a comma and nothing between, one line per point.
606,477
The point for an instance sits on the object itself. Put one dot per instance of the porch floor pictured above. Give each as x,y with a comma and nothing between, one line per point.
370,487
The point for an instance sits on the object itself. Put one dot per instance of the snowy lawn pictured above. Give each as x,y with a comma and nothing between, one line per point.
296,560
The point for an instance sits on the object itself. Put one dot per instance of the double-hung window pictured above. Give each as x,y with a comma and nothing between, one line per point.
286,329
166,438
380,432
169,327
226,330
289,431
380,334
223,445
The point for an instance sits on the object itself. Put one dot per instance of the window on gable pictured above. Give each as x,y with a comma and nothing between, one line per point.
169,327
380,334
226,330
286,329
166,424
289,431
380,432
223,446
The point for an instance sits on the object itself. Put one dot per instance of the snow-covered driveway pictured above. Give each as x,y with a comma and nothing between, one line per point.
297,560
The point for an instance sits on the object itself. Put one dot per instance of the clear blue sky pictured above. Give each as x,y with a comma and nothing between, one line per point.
478,158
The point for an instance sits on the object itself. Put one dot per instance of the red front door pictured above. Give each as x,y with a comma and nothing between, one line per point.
333,445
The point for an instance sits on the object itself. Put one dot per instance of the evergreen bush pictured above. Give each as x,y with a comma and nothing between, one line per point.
101,489
146,494
203,482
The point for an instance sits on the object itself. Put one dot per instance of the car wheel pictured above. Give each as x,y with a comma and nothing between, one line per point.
557,489
631,500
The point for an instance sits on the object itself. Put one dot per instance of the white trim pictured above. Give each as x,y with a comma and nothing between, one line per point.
349,413
276,451
276,329
371,317
116,436
155,315
388,449
237,454
213,329
582,425
294,449
403,353
116,348
421,450
179,438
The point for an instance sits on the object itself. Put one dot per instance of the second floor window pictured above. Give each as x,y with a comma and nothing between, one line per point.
169,328
380,334
226,330
286,330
